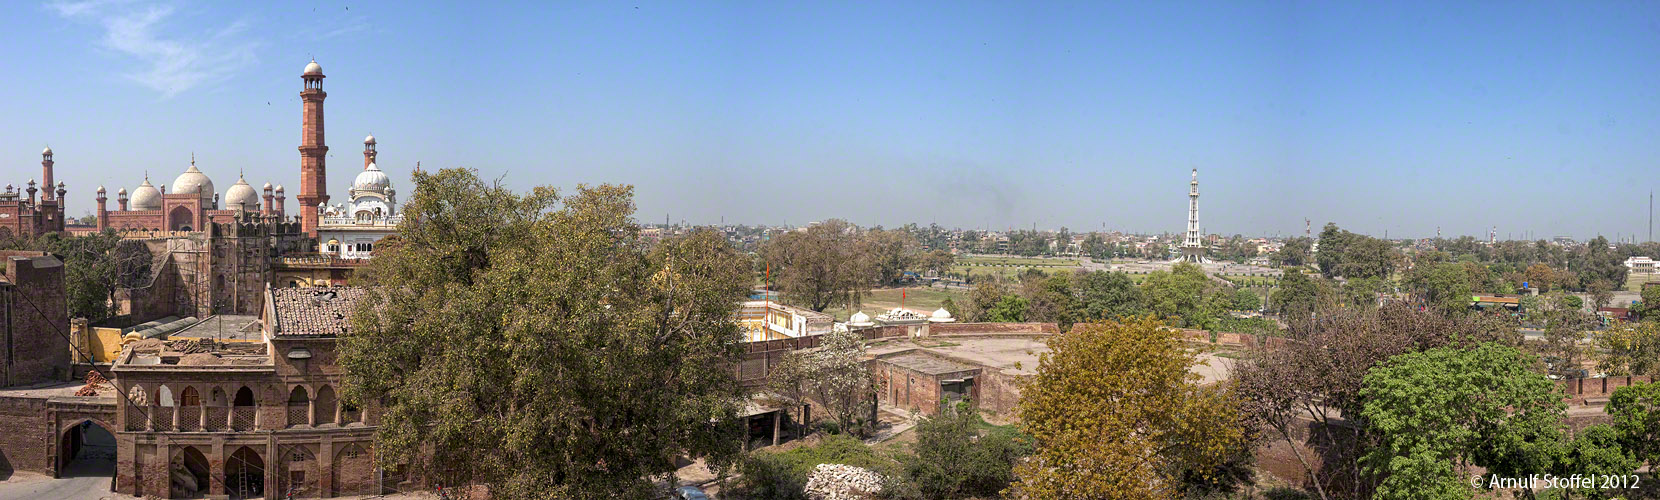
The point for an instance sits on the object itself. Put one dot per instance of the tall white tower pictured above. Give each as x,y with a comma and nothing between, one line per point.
1193,250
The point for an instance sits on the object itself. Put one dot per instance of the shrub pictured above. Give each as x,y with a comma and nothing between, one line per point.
952,459
784,475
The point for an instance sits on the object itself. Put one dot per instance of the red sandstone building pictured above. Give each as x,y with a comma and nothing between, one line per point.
28,216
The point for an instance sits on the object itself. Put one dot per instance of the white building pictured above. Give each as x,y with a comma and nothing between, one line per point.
350,230
1640,265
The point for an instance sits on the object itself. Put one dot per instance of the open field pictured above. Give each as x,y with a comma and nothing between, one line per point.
1003,266
1634,282
924,300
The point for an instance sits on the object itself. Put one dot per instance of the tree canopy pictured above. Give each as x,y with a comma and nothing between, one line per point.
1115,413
532,343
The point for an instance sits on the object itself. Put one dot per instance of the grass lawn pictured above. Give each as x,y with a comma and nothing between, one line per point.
998,260
1634,282
922,299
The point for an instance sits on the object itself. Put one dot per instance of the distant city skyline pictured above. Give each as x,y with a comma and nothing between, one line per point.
1398,118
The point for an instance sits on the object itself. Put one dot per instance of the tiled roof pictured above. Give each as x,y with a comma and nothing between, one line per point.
314,312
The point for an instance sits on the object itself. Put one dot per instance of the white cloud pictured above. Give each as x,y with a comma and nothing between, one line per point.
170,58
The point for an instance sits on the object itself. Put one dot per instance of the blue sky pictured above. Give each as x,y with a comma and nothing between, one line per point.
1541,118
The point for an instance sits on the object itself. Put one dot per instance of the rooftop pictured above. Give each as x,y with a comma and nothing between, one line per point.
60,391
224,327
926,363
313,312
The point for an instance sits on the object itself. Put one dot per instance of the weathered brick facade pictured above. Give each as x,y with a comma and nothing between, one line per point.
34,320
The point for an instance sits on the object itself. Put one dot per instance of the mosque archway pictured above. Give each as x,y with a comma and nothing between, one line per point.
180,218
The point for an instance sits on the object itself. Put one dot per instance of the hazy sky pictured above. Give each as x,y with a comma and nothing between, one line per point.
1541,117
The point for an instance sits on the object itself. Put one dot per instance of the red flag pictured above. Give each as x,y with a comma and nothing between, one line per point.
902,298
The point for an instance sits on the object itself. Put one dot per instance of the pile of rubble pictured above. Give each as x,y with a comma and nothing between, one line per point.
93,381
842,482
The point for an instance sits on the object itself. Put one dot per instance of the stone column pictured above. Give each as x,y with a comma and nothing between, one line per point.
216,467
325,467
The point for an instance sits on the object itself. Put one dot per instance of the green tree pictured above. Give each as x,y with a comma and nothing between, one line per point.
1295,252
1602,292
1115,413
1186,296
1628,348
1246,300
1439,411
1297,295
890,253
985,295
96,266
1334,242
532,344
1010,309
1106,295
1444,287
835,375
952,459
1596,451
820,266
1636,412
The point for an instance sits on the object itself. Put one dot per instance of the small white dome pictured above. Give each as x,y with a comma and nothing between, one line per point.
267,186
369,140
46,152
241,196
146,197
373,180
313,68
100,189
121,191
859,319
279,188
193,181
941,316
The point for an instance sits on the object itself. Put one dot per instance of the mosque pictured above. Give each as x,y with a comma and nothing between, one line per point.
346,230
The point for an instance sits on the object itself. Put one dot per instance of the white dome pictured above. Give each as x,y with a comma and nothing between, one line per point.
193,181
146,197
121,191
100,189
47,151
372,179
859,319
941,316
241,196
267,186
313,69
279,188
369,140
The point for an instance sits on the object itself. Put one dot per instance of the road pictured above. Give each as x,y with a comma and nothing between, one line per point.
83,480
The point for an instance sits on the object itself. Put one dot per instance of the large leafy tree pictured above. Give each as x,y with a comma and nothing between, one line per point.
821,266
1115,413
833,374
1318,377
1628,348
1186,296
1445,287
890,252
1636,412
1106,295
1438,412
532,343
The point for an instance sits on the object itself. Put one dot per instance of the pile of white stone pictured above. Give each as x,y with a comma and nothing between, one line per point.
842,482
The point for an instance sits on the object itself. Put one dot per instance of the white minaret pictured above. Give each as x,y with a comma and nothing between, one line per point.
1192,249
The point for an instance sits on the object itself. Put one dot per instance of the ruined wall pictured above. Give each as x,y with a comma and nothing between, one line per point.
34,335
998,392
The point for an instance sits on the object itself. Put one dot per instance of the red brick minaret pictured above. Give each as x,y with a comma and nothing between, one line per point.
313,185
46,171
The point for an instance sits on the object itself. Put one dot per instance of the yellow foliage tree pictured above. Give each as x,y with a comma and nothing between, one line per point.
1115,413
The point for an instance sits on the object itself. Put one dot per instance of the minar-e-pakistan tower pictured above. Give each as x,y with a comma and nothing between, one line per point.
1193,250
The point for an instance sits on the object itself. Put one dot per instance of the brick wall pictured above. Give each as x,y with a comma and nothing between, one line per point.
1600,387
33,338
998,392
27,436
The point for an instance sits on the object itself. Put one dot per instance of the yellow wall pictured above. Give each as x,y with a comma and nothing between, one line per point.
104,344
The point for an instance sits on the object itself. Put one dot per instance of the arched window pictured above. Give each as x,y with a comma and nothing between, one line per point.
190,397
324,409
299,407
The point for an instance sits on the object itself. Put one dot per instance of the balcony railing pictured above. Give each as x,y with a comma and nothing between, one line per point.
242,418
297,415
190,418
162,416
217,418
136,418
